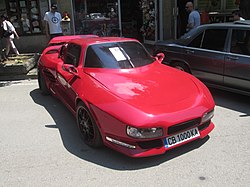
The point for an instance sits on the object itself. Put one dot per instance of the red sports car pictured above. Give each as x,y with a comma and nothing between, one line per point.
60,40
125,98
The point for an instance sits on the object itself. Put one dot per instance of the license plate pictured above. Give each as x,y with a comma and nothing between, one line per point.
181,137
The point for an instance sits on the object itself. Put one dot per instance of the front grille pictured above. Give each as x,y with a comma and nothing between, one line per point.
183,126
150,144
204,125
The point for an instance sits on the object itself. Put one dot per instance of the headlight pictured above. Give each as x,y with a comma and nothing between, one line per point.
207,116
144,133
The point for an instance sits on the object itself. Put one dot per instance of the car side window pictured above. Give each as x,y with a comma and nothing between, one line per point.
73,54
214,39
196,42
240,42
92,60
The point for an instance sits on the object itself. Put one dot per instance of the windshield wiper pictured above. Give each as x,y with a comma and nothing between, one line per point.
127,57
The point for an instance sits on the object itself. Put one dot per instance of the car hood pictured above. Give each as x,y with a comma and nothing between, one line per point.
155,87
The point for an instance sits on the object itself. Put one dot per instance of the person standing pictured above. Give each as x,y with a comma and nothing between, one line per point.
194,19
8,33
237,16
53,22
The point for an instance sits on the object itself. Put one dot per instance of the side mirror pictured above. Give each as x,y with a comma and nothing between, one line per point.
70,69
160,57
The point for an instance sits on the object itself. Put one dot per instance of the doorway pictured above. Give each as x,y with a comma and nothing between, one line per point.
182,18
131,19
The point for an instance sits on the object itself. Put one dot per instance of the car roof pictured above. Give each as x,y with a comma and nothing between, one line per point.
91,41
64,39
245,23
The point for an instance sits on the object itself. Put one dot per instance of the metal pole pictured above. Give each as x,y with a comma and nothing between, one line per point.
161,19
119,17
73,17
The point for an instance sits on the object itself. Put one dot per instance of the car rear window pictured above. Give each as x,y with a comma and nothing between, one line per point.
118,55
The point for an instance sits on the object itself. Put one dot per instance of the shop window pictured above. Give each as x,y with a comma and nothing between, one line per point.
212,5
25,16
96,17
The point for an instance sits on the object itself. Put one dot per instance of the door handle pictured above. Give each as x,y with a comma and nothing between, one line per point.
232,58
188,51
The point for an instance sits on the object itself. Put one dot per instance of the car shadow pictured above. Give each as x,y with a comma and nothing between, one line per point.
232,101
66,124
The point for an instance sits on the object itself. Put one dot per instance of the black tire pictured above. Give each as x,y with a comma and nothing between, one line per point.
181,66
42,85
87,126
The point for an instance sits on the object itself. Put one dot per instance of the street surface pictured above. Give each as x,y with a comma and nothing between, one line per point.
40,146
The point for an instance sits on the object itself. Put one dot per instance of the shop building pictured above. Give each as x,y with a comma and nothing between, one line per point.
146,20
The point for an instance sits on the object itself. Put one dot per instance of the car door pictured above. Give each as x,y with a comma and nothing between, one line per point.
66,79
237,66
205,55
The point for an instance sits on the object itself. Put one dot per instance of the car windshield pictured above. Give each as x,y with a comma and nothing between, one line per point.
118,55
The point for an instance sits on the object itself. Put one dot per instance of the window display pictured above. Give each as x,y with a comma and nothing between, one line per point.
25,16
95,17
217,5
209,5
232,5
149,20
219,11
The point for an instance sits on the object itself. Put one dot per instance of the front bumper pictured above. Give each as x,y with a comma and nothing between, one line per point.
136,149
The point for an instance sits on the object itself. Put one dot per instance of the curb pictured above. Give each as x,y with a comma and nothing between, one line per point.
16,71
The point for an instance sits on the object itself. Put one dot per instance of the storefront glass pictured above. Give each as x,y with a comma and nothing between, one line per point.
211,5
232,4
25,16
218,10
96,17
217,5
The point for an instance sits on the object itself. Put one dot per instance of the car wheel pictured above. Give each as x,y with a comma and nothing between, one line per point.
42,85
87,126
181,66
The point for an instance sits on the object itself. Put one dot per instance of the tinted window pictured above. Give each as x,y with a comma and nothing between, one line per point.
196,42
240,42
214,39
73,54
119,55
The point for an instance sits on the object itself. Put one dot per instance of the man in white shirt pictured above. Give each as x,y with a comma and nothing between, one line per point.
53,22
194,19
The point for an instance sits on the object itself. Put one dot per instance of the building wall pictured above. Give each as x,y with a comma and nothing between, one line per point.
36,43
31,44
26,43
168,20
